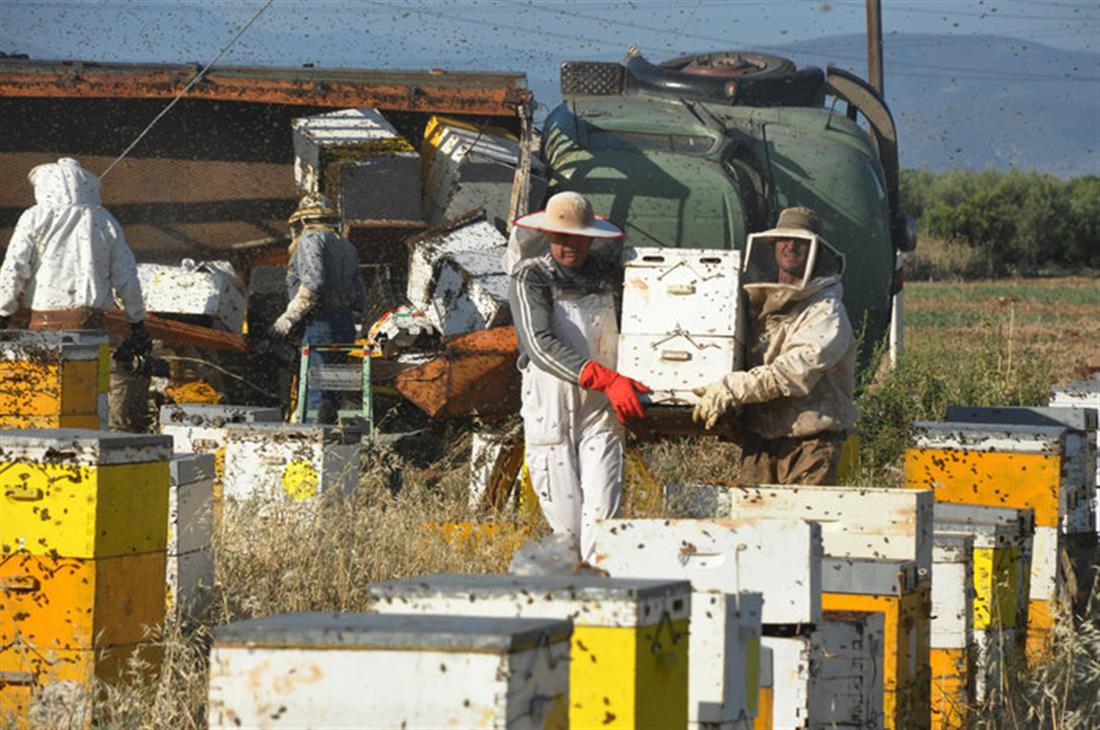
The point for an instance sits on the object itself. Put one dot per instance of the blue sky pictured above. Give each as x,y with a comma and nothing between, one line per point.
534,37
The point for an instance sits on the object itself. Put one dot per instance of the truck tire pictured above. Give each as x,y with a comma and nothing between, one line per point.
729,77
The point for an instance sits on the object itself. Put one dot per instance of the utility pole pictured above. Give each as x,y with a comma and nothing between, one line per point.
875,76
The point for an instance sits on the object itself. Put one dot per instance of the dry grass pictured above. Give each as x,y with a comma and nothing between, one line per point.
324,559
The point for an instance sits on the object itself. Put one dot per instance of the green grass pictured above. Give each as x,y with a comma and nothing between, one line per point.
1025,292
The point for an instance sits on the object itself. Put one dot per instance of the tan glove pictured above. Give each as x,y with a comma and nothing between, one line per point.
298,308
714,400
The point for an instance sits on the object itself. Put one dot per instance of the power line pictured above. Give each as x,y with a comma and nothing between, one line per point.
190,85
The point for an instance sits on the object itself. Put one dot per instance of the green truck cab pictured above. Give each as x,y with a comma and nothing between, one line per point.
703,150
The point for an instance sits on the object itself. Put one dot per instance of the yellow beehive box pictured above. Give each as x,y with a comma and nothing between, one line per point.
72,603
889,587
1000,465
54,379
629,656
53,688
83,494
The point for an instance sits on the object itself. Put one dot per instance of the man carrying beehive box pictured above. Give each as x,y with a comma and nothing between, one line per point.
573,403
797,394
69,260
325,288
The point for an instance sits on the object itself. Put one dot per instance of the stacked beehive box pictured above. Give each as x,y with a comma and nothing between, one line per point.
683,322
456,277
190,571
951,655
356,157
629,655
1019,466
466,166
1001,542
878,547
290,462
396,671
209,291
1084,395
83,538
54,379
728,560
848,683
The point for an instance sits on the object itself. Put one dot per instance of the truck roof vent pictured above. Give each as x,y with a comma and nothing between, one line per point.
591,78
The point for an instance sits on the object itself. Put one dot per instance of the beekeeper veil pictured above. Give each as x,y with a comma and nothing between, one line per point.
813,258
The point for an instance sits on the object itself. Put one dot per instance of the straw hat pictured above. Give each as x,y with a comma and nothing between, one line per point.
572,214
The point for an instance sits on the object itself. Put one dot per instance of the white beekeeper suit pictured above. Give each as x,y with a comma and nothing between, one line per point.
67,250
572,399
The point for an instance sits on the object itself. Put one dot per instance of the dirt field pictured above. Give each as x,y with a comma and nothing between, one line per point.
1057,319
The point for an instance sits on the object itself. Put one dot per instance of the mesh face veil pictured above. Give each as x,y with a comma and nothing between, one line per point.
760,260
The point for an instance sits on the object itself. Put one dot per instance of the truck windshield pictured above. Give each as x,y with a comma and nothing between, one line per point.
689,144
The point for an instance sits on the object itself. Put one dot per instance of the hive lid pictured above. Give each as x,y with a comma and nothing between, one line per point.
950,513
82,447
949,547
186,469
868,576
31,344
296,432
1002,437
394,632
216,415
1077,419
543,587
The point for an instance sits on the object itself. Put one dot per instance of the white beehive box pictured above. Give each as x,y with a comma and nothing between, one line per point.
864,522
995,651
727,556
847,684
357,158
456,277
200,427
296,462
1084,395
468,168
725,658
1080,459
611,618
210,290
683,323
397,671
952,592
793,668
190,571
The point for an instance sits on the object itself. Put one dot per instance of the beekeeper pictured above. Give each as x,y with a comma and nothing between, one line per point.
325,288
797,395
562,294
69,261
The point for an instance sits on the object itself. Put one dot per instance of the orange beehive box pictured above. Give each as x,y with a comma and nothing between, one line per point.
54,379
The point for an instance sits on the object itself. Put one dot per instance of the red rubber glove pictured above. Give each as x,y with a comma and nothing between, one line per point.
619,389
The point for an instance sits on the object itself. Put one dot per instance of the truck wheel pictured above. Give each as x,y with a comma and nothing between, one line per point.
731,64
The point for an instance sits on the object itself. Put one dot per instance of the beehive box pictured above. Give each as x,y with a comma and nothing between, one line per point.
199,428
358,159
629,654
892,588
995,658
724,676
683,320
793,659
1001,465
1080,459
863,522
996,573
847,684
54,379
82,541
1083,395
456,277
210,291
729,557
466,167
407,671
951,654
190,569
294,462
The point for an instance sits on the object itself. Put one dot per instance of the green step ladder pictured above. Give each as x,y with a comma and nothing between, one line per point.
352,376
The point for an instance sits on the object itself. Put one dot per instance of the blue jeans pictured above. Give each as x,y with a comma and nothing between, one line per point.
327,328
